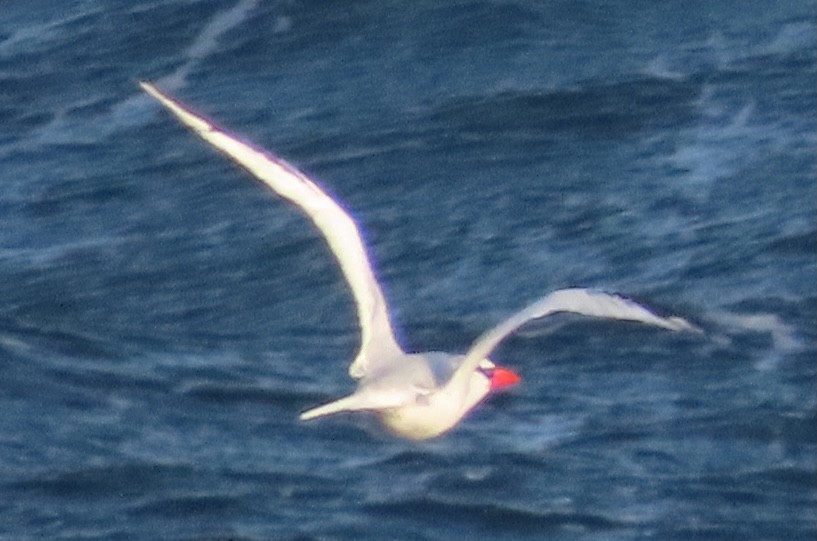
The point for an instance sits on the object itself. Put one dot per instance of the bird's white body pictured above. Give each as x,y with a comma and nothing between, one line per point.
416,395
409,396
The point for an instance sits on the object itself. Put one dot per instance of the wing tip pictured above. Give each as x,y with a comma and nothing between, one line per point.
672,323
682,325
150,88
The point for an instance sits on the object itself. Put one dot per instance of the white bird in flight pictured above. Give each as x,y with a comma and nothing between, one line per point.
416,395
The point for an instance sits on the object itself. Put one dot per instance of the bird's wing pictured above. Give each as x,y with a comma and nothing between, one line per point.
339,229
577,301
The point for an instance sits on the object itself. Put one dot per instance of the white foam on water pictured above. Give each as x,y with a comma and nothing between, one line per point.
784,340
137,109
207,42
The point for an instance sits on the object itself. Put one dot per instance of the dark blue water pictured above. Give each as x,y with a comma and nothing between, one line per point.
164,319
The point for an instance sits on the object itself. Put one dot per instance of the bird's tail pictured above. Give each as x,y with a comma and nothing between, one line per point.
347,403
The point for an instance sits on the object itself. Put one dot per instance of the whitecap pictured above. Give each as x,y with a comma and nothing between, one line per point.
136,109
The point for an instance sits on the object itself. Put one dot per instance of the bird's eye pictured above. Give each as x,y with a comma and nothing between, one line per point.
487,371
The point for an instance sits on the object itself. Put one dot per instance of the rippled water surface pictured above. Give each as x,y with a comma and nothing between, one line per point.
164,319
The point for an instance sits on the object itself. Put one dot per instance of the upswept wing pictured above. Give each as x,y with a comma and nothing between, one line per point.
580,301
340,231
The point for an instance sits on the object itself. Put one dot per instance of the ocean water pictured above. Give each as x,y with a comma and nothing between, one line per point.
164,319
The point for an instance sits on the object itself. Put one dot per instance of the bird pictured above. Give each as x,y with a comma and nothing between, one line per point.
417,396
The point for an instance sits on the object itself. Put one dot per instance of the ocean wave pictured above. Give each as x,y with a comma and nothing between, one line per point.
590,108
490,517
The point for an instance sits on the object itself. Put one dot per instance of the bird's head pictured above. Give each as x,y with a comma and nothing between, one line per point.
498,377
486,379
